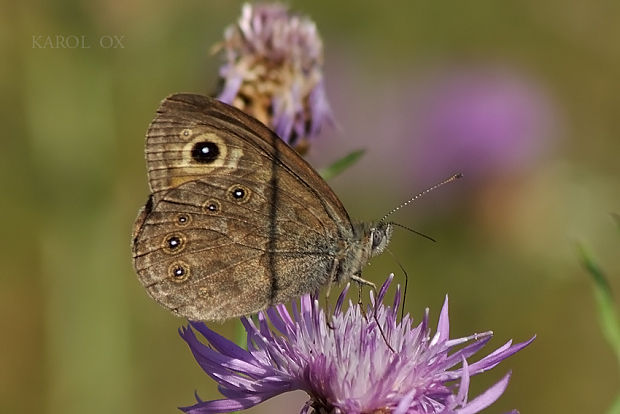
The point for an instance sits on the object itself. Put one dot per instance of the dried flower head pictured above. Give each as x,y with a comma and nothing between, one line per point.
348,367
273,71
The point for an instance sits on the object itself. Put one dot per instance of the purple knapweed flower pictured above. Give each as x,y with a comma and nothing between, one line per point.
483,121
350,366
273,71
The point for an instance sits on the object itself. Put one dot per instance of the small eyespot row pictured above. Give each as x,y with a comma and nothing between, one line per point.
174,243
182,219
179,272
211,206
239,193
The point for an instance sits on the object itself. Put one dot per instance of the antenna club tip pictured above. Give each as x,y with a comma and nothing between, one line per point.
458,175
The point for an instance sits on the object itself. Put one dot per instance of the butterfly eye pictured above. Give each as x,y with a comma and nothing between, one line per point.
179,272
205,152
377,238
174,243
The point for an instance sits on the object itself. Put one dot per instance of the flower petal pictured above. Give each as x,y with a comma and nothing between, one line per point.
461,397
341,298
405,403
498,356
486,398
443,325
210,359
223,406
221,344
384,288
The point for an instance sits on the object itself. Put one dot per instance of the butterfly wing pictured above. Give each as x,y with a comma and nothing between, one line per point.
237,220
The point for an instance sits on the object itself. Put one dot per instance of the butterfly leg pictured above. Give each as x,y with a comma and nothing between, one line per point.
364,282
332,274
361,283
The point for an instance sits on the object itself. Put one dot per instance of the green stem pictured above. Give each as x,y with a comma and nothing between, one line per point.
602,291
342,164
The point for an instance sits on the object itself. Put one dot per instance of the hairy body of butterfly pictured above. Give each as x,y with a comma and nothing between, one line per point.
237,220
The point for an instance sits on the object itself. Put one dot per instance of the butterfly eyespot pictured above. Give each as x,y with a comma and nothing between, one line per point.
204,292
186,132
179,272
183,220
211,206
205,152
174,243
239,193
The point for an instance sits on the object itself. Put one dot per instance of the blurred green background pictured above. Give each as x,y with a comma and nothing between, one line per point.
81,335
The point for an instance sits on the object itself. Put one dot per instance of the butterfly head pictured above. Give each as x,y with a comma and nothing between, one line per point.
380,235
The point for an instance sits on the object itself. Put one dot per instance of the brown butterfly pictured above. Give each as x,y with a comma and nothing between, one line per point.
237,220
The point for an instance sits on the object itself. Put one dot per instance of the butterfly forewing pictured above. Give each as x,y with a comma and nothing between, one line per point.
237,221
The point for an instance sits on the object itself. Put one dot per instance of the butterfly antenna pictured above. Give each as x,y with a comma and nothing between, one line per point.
402,309
414,231
428,190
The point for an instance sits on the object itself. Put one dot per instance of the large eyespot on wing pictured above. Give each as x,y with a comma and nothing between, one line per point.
174,158
181,148
187,125
273,154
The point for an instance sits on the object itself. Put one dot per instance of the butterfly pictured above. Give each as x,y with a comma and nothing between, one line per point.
236,220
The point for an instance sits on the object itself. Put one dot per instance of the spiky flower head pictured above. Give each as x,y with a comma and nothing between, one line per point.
365,360
273,70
